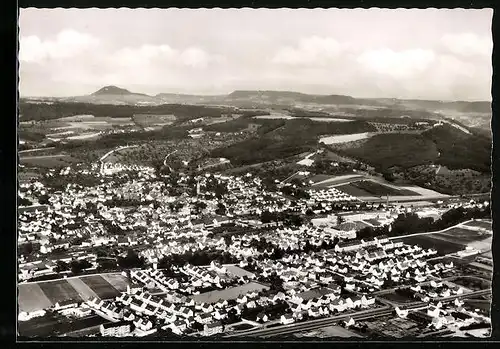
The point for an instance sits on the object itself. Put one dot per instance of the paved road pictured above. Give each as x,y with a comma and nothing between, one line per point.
41,156
117,149
430,232
70,277
33,150
464,295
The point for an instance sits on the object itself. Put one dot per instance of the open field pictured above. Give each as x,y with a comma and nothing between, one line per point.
319,178
53,324
461,235
336,180
85,136
154,119
474,284
451,241
427,241
337,139
230,293
23,175
348,226
480,224
476,304
59,160
275,116
237,271
379,189
100,286
370,188
397,298
337,331
353,190
59,291
84,291
221,119
118,281
329,155
44,294
31,297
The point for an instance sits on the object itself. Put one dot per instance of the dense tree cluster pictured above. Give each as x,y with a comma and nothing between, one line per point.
55,110
60,182
77,266
410,223
461,150
288,219
131,260
24,201
199,257
294,137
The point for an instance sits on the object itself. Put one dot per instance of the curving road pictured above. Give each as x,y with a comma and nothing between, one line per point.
117,149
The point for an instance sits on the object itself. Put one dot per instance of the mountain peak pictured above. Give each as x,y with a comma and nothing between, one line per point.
112,90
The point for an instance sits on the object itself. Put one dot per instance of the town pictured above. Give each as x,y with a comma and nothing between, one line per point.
188,175
230,257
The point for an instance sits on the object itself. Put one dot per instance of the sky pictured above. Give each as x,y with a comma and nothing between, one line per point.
441,54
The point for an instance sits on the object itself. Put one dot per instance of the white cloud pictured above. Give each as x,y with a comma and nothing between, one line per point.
67,43
397,64
310,51
452,67
468,44
135,57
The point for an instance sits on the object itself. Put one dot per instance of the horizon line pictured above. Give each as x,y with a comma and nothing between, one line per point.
258,90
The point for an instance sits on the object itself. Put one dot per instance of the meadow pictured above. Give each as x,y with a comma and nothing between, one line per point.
345,138
44,294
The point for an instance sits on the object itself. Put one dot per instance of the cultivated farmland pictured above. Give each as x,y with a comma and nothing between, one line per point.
49,161
59,291
118,281
427,241
100,286
479,224
461,235
337,139
31,297
82,288
379,189
42,295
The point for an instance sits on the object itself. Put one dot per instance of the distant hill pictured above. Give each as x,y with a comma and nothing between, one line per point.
289,96
186,98
471,114
115,91
459,106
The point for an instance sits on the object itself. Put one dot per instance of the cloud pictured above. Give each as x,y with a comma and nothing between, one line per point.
468,44
310,51
397,64
67,43
192,57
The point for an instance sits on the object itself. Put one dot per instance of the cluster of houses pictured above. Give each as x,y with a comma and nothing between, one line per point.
326,300
111,168
329,195
368,267
453,315
435,289
148,312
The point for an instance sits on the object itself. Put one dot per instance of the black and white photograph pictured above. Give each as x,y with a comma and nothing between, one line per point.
243,174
